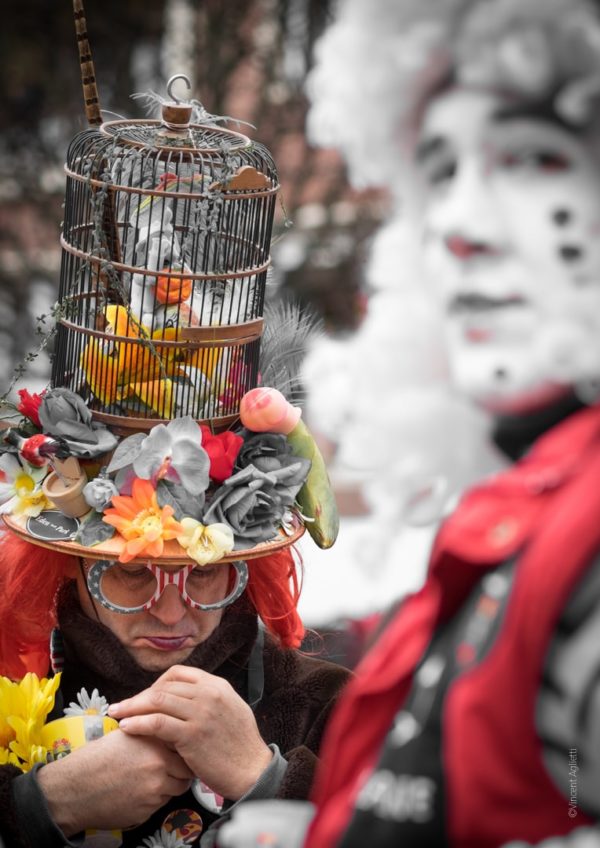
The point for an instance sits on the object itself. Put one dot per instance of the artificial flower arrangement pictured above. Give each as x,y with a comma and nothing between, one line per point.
212,493
25,736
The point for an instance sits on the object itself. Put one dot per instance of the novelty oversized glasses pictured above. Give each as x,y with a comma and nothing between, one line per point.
137,588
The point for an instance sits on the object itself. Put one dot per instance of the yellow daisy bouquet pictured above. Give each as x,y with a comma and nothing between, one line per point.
24,707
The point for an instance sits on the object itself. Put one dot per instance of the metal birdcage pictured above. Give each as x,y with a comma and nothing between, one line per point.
166,239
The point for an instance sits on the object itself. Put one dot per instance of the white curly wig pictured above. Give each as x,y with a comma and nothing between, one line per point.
381,60
383,396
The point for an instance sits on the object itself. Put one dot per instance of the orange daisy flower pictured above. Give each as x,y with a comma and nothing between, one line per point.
142,522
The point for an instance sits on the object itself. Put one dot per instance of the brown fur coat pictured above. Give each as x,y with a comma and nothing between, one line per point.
299,692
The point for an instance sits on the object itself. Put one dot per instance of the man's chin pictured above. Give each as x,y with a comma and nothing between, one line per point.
152,659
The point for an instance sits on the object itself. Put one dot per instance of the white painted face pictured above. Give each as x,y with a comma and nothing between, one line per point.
511,241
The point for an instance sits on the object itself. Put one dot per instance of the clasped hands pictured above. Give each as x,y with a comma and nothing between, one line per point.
202,719
188,724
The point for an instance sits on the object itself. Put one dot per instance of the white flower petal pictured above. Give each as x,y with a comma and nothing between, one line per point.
10,465
185,428
9,506
7,490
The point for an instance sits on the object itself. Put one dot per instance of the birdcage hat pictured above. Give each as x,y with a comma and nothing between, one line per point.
169,433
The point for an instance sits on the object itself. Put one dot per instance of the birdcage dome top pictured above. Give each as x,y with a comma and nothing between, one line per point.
110,153
210,140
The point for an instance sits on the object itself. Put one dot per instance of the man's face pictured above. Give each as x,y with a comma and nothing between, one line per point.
168,632
511,226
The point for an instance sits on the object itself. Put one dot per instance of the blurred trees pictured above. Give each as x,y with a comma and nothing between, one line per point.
248,59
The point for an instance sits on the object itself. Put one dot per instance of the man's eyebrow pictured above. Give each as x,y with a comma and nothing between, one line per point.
427,147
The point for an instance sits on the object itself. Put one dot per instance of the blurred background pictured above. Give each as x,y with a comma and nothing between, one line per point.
247,59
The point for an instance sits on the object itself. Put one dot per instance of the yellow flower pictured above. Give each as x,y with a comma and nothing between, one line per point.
7,758
205,543
141,521
10,704
31,503
26,746
24,707
38,696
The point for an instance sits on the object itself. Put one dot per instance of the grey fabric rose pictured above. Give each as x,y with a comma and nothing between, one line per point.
253,501
63,414
98,493
272,454
249,504
259,448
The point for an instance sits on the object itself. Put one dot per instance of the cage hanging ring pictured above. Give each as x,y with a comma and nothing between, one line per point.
170,85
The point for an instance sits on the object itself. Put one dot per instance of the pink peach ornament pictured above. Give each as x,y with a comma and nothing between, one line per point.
266,410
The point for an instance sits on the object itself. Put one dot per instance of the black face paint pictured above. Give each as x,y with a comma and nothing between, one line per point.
562,217
570,253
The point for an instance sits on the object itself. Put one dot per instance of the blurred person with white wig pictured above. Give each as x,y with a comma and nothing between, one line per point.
401,443
473,722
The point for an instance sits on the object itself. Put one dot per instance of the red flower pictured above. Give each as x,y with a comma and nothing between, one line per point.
29,406
222,450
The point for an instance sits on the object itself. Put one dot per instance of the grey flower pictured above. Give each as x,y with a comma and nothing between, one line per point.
178,448
272,454
98,493
262,446
254,502
248,503
63,414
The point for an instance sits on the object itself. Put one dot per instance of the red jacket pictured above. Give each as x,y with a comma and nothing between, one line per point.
546,509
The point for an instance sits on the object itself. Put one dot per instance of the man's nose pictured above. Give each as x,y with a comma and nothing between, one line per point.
170,607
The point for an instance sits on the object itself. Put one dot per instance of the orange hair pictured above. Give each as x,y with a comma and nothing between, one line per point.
274,591
30,577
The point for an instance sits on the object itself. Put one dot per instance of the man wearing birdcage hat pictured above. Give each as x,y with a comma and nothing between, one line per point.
151,499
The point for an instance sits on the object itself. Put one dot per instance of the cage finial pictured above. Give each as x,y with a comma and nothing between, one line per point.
170,86
177,114
88,73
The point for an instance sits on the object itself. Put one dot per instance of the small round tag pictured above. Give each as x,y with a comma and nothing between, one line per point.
52,526
206,797
185,824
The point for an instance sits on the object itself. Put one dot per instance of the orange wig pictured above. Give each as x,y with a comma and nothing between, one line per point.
274,591
30,577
